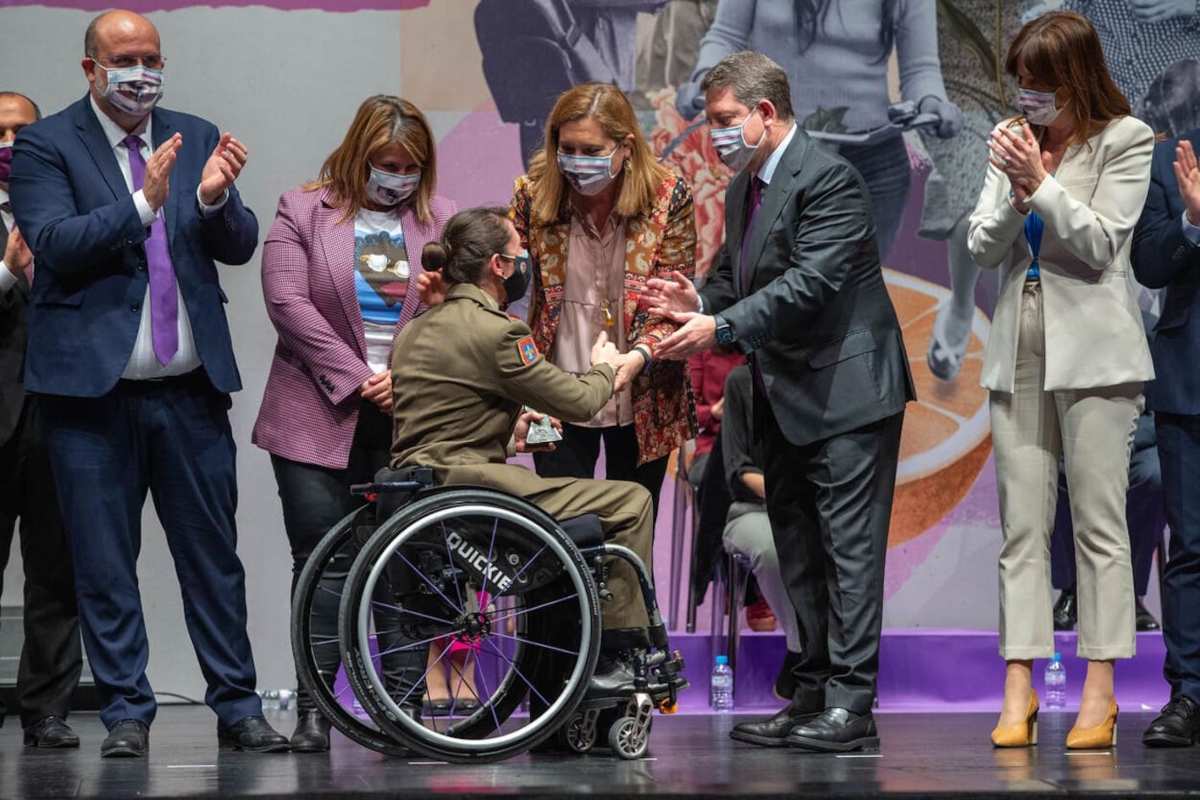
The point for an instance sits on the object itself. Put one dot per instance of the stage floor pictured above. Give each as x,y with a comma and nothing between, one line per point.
691,756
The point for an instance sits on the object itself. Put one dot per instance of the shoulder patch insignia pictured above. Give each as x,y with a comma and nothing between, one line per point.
527,350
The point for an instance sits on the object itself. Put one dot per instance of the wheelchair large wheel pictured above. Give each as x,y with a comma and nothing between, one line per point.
497,576
321,582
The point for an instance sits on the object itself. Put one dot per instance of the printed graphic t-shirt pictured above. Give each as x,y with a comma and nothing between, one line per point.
381,273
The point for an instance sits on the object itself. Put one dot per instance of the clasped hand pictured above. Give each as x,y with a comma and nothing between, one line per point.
626,366
1018,155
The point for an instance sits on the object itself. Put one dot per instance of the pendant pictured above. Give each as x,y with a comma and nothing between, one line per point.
607,313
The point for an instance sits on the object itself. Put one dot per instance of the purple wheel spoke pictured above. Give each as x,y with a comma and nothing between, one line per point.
450,563
429,583
391,650
523,640
483,682
535,608
424,675
520,674
521,571
491,547
399,610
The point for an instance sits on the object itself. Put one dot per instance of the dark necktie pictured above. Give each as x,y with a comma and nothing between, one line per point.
753,201
164,296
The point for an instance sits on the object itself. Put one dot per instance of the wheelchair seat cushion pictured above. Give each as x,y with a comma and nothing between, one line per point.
584,530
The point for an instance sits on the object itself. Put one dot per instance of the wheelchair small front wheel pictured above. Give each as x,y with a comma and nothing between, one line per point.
493,580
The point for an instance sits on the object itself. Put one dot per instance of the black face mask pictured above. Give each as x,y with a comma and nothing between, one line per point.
516,284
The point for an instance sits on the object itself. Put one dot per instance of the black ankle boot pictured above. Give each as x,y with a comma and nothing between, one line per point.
312,732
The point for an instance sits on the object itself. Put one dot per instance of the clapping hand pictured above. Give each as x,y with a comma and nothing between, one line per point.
157,183
222,168
16,253
1187,173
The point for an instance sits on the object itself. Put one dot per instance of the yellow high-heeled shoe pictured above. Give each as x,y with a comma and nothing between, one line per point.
1100,737
1022,734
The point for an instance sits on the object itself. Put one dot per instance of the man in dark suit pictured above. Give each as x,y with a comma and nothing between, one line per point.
51,658
798,287
126,206
1166,253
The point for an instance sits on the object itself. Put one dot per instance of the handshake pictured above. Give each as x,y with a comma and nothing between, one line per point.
625,366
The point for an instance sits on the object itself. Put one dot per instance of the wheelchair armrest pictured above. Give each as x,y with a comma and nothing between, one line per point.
584,530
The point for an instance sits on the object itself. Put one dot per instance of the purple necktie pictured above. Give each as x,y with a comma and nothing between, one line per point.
752,204
164,297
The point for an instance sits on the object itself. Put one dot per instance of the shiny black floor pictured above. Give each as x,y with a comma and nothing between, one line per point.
923,755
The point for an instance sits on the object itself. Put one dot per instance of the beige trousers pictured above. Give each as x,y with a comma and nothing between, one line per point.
1092,431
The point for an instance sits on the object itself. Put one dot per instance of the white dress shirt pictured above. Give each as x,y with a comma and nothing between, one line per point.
143,364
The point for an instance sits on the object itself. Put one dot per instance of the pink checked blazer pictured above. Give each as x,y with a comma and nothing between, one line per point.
310,406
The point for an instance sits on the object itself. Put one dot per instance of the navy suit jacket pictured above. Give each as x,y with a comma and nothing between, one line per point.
1163,257
78,216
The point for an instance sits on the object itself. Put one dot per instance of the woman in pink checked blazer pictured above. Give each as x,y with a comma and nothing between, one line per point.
339,283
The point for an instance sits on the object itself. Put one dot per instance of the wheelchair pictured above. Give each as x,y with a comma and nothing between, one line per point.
488,573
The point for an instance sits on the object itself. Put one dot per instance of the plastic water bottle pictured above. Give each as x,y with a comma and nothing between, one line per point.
721,686
1056,683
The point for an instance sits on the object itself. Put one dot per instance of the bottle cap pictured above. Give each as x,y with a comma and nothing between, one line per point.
722,659
1057,656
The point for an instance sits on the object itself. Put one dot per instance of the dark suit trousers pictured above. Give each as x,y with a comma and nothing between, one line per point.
51,658
1179,453
1145,513
172,439
830,504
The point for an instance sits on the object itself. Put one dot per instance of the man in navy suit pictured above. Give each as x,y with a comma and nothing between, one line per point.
125,207
51,657
1166,253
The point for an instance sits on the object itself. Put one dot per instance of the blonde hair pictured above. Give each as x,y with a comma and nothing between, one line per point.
609,107
380,121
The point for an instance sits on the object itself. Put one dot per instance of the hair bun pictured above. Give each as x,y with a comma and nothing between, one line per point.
435,256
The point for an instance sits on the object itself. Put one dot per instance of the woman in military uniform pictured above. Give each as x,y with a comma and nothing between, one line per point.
461,373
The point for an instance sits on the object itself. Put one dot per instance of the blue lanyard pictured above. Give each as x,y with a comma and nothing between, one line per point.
1034,225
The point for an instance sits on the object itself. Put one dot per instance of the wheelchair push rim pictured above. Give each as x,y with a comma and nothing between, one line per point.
491,549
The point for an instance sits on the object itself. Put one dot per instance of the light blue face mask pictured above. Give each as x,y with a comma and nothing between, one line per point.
588,175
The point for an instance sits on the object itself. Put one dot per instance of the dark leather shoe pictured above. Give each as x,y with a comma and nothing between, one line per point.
254,735
836,730
1066,611
773,732
616,684
311,734
129,738
1145,620
49,732
1178,725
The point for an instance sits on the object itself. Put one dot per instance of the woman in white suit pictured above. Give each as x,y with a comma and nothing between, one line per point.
1066,359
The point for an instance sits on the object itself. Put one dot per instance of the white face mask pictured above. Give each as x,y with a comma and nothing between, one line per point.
735,152
135,90
1038,107
390,188
588,175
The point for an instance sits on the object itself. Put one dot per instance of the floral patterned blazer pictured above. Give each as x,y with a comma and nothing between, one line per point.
656,244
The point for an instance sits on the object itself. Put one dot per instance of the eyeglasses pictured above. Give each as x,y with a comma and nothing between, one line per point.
124,62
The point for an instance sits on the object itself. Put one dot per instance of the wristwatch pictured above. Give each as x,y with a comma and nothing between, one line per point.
725,335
